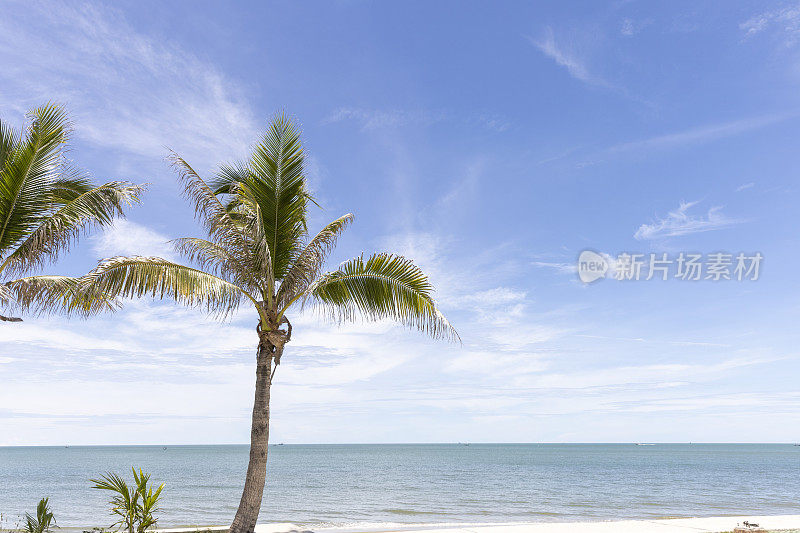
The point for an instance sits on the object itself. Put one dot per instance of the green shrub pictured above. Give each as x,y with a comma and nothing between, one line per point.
44,518
135,506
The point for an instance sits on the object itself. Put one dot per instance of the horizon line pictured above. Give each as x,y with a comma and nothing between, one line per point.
463,443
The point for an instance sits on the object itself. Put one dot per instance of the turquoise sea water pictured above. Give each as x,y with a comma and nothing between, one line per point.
377,485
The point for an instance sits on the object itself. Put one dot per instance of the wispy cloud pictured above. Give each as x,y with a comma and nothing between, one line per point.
630,27
374,119
129,238
785,21
562,268
492,121
565,56
644,374
125,89
745,186
682,139
654,341
681,222
494,297
702,134
371,119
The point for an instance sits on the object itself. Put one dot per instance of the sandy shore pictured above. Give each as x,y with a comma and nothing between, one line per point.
676,525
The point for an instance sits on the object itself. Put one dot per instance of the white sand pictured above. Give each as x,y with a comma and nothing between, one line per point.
677,525
715,524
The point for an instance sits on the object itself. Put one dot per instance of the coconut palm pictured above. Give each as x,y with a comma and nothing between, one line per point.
43,521
135,505
45,205
259,252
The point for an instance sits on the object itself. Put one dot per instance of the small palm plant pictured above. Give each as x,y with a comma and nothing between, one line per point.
44,518
135,506
45,205
260,253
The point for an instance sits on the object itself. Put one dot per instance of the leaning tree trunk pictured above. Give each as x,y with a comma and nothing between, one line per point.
250,504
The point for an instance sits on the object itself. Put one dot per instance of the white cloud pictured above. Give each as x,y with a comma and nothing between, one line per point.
680,222
753,25
129,238
780,402
502,364
374,119
627,28
644,374
462,191
494,297
567,57
702,134
785,20
659,341
125,90
371,119
563,268
690,137
520,334
745,186
61,338
630,26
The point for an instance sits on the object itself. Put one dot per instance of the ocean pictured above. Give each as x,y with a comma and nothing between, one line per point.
386,485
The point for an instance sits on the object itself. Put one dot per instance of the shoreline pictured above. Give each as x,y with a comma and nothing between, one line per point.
714,524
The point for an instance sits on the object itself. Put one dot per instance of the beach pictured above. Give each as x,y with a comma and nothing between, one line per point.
679,525
716,524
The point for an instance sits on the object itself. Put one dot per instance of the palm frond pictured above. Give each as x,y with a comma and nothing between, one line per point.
216,260
8,142
134,277
383,286
6,295
221,226
274,180
6,299
249,212
33,163
150,499
43,520
97,206
70,183
61,294
307,267
207,255
124,501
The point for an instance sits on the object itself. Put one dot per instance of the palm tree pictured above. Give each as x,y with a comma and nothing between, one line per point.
43,521
45,205
259,252
134,505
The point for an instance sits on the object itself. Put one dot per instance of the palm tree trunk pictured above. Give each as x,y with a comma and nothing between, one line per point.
250,504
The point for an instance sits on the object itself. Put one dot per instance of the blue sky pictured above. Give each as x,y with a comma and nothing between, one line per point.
491,143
